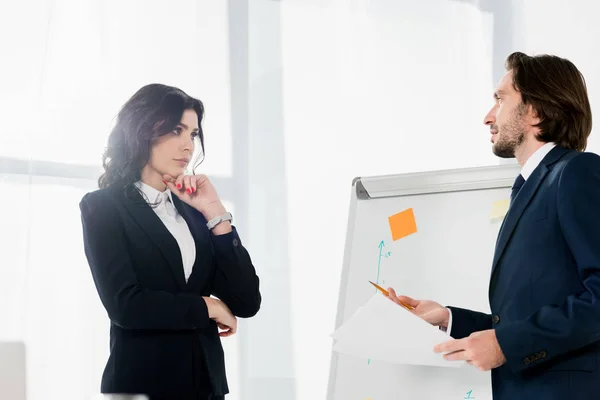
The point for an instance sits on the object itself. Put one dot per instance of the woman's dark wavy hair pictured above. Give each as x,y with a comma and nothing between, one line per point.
153,111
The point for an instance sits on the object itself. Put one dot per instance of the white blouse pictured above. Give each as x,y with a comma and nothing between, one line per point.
174,222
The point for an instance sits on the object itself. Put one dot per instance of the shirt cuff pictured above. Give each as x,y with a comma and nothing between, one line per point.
449,328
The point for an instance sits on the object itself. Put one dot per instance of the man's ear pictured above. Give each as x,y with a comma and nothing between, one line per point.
531,115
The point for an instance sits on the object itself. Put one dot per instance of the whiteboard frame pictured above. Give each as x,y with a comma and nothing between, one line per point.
383,186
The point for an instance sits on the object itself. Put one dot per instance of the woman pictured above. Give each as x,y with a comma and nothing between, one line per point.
159,243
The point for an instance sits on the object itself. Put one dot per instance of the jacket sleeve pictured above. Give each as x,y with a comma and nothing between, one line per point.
235,281
465,322
558,329
130,305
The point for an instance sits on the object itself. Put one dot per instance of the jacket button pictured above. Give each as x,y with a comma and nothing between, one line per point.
235,242
495,319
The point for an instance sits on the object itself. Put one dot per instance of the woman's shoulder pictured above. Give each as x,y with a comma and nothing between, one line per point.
98,195
98,201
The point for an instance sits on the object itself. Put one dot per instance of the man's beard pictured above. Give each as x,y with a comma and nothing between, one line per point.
510,135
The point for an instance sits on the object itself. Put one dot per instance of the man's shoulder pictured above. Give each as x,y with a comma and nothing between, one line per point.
574,163
578,172
584,158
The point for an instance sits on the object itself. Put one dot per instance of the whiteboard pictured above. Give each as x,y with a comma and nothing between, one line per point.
447,260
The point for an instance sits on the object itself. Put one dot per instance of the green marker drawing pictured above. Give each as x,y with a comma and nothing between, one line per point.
381,244
381,254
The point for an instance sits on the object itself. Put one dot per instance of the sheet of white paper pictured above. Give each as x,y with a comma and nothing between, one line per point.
382,330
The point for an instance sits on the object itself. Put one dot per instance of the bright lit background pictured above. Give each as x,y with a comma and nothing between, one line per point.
301,96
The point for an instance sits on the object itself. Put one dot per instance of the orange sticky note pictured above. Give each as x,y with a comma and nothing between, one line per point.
403,224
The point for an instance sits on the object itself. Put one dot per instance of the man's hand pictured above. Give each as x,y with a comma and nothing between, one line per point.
480,349
428,310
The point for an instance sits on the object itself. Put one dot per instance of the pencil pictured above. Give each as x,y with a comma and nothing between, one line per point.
382,290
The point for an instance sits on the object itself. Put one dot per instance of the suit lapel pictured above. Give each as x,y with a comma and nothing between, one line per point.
145,216
516,210
521,202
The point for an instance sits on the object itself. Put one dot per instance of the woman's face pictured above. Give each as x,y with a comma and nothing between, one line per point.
171,153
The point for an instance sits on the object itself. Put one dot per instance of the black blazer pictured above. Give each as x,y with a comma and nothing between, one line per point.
162,342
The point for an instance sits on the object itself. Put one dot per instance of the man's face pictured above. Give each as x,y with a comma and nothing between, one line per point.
507,119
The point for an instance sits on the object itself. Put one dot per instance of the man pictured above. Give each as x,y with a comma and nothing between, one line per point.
542,340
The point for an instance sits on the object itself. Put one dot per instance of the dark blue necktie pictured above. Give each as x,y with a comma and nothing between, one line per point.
516,187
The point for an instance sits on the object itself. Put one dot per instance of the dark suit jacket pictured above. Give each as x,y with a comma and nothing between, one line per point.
545,284
162,342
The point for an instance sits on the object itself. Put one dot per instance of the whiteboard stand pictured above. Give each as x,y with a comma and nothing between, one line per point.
455,239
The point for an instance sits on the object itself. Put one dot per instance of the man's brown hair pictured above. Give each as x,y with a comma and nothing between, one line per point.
556,90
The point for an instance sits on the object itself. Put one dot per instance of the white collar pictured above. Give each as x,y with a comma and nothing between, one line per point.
535,159
153,195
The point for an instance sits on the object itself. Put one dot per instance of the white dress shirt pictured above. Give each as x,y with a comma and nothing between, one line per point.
174,222
535,159
530,165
